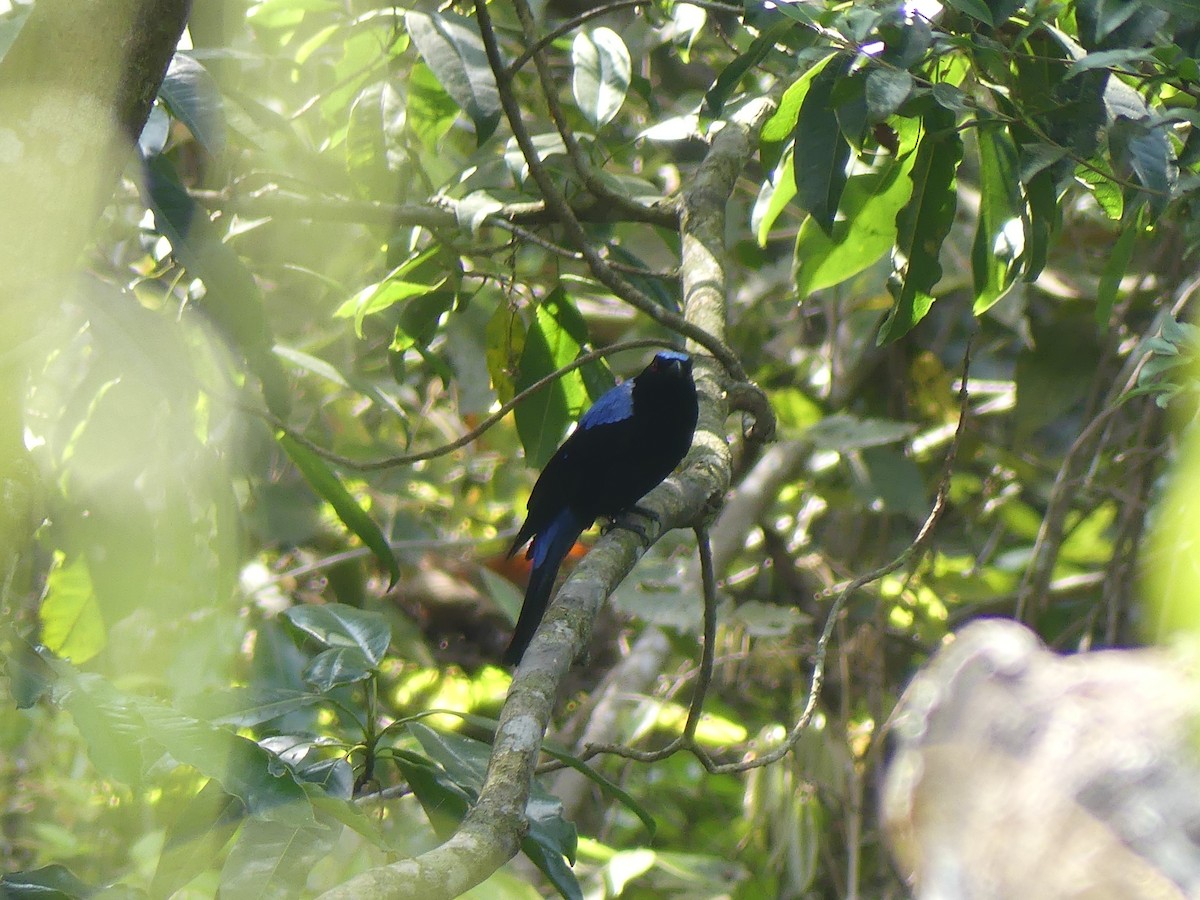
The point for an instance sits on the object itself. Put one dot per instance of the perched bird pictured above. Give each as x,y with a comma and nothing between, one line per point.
626,443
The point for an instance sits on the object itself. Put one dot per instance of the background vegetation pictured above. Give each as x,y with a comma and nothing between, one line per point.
254,581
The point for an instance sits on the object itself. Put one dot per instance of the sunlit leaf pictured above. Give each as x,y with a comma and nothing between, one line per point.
602,73
452,48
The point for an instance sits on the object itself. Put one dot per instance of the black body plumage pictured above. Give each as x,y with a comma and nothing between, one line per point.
626,443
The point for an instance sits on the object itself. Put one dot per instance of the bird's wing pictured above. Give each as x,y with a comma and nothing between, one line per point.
614,405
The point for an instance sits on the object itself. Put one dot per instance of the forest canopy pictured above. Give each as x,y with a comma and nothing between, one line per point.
299,295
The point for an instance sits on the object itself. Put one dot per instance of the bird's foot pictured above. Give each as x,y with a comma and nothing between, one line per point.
625,522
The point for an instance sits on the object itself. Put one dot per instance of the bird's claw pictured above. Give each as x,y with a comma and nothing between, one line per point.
625,523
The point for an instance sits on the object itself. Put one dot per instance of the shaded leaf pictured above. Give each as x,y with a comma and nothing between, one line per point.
193,98
923,223
199,832
820,150
554,340
322,480
1114,270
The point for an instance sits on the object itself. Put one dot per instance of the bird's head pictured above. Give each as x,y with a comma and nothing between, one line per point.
671,362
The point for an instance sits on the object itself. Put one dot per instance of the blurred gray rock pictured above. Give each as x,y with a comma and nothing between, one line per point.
1018,773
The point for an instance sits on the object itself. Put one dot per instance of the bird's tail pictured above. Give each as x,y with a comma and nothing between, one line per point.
547,551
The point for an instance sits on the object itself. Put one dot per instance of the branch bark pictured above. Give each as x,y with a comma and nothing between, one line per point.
491,832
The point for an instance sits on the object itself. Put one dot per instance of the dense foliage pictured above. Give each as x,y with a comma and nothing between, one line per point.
251,644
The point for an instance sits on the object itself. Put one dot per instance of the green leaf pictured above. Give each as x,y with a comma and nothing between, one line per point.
47,883
782,122
322,480
505,340
1141,143
602,73
820,150
554,340
922,225
445,801
342,665
430,111
867,230
1114,270
999,233
233,299
198,834
1106,59
336,625
886,90
732,74
72,624
976,9
452,48
274,859
773,198
1042,200
124,732
193,98
417,275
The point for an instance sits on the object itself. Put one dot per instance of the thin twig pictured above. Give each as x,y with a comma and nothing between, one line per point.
406,458
557,204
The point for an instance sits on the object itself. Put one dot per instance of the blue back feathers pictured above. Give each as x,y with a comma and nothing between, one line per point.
614,405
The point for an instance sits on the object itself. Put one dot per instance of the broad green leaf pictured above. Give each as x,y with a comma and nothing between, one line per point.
126,732
47,883
505,340
233,299
377,297
773,197
976,9
430,111
336,625
732,74
922,225
867,229
419,320
779,127
72,624
200,830
1138,142
327,485
444,800
1106,59
553,341
193,98
551,841
274,859
452,48
845,433
819,150
1042,201
886,90
1000,231
602,72
1114,270
337,666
